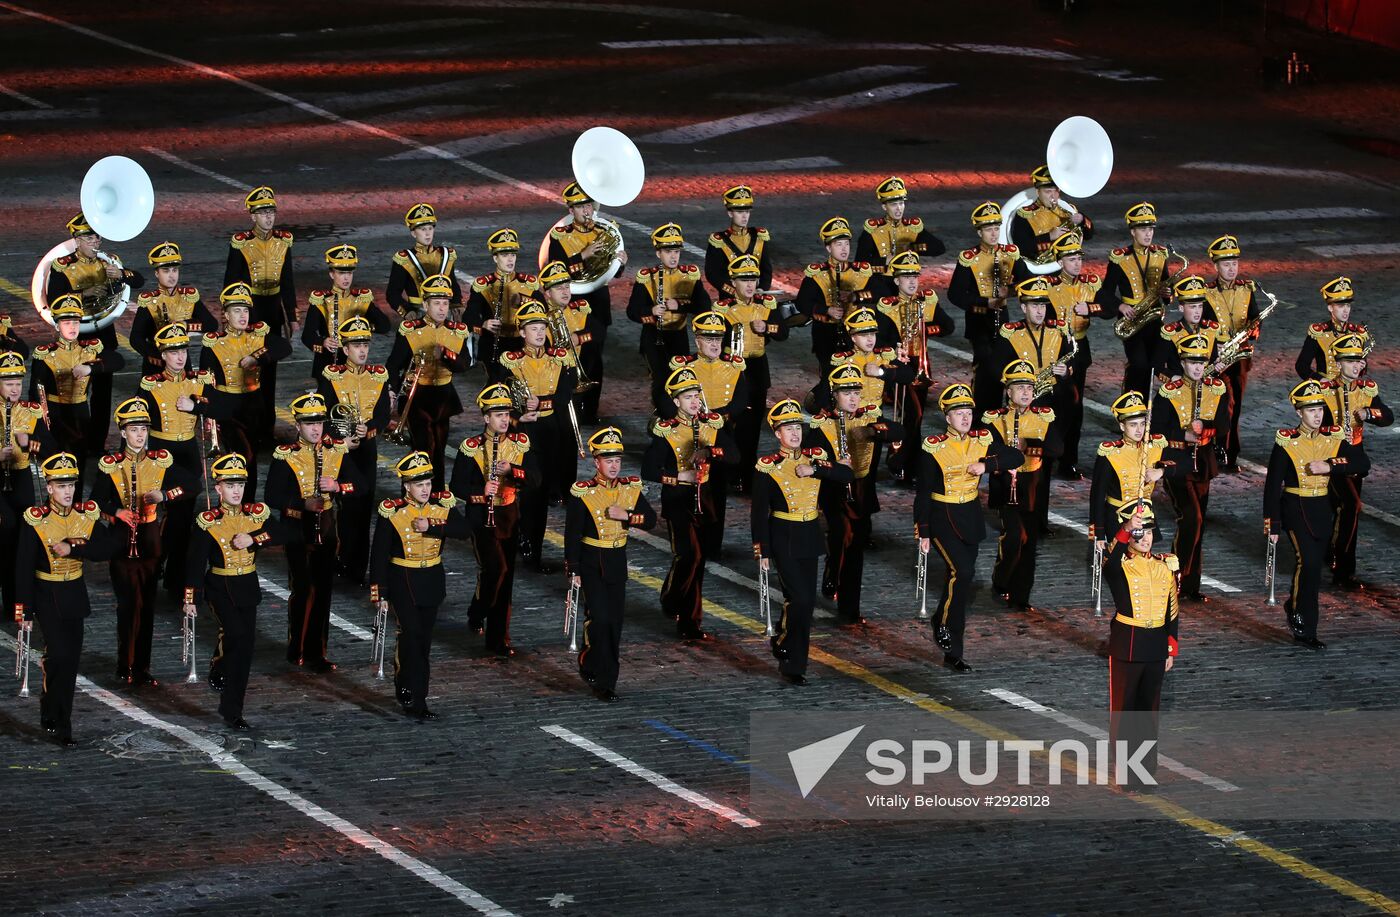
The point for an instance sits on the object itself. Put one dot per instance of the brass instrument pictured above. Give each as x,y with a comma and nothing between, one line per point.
1151,306
737,344
520,393
1045,378
842,338
600,265
558,324
921,580
1238,347
376,648
345,420
571,615
22,654
913,335
397,430
491,477
187,654
109,298
765,604
133,506
1270,566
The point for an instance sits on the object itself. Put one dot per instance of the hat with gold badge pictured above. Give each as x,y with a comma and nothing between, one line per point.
783,413
986,213
1127,510
260,198
503,241
1018,371
1194,348
308,408
343,257
739,197
861,321
834,229
1189,288
495,398
130,411
1350,347
166,254
416,466
60,467
1033,289
230,467
709,324
1129,405
79,226
174,336
531,312
607,441
1071,243
667,235
573,194
905,264
1223,248
845,377
553,274
420,215
69,307
1041,177
355,330
744,267
11,365
681,381
237,293
891,189
1141,214
1338,289
1307,393
438,285
957,395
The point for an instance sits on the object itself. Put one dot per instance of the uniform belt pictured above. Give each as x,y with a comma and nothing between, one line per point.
618,542
235,390
1138,622
415,563
950,498
172,437
234,571
59,577
794,517
265,290
59,399
1306,491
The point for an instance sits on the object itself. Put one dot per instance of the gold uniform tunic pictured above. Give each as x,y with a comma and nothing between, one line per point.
984,261
1324,333
52,526
60,357
223,524
736,311
166,307
19,418
1230,304
1142,268
151,467
799,494
358,388
894,236
424,337
84,275
1345,399
510,448
872,388
503,294
265,258
861,448
1038,346
229,348
1015,427
1065,291
597,497
681,436
540,370
574,240
172,424
922,306
302,459
1122,483
336,305
1211,330
849,277
417,550
1042,220
719,378
1193,401
668,283
422,262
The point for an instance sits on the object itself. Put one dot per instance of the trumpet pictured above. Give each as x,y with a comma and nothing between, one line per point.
187,654
563,337
1096,578
571,601
397,431
22,654
736,339
1270,565
921,580
765,605
376,648
1150,306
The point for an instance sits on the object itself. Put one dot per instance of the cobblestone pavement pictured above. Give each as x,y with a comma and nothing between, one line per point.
352,113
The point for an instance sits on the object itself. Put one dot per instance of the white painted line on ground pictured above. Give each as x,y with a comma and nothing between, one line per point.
1015,51
196,169
738,169
351,628
1078,725
723,572
708,130
21,97
1375,248
48,114
1259,216
227,762
1245,168
1083,529
652,777
487,143
847,78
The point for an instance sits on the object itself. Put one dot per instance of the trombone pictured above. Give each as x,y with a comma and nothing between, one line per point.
397,431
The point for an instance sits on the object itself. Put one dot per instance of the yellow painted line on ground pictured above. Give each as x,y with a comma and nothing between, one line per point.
15,290
1176,813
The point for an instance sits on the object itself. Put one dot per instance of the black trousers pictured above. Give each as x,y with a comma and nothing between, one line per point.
178,527
746,432
412,652
1135,696
915,399
69,425
134,582
1137,371
558,464
1309,553
847,534
63,648
590,358
798,578
682,594
234,654
1236,381
1190,498
312,571
960,558
1014,573
1345,493
604,575
240,434
267,309
430,415
986,375
13,503
356,512
1072,422
495,584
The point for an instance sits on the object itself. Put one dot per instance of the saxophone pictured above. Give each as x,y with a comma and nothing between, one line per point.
1238,347
1045,378
1150,307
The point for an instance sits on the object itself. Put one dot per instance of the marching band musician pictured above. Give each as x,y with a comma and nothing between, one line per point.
238,358
882,238
223,571
24,440
261,257
683,455
722,376
574,244
1034,432
361,389
411,267
1296,500
1134,272
326,309
830,289
1073,297
1127,470
1231,301
1037,339
168,304
49,586
428,351
131,485
663,299
904,311
947,514
738,241
86,273
1315,360
1190,412
1190,295
494,297
850,429
877,365
1352,402
406,573
1036,227
488,477
1142,640
65,369
304,484
542,381
558,297
979,287
752,324
602,510
786,533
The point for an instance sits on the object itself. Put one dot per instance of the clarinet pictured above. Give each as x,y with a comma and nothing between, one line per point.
131,550
1195,416
5,441
491,476
843,449
996,285
316,489
1014,500
695,459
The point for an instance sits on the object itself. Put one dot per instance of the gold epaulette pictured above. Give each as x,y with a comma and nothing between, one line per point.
88,510
390,506
1318,329
1119,255
1108,448
682,360
481,283
281,453
1173,564
470,446
559,232
408,326
1047,413
207,518
35,514
1010,328
990,416
1214,381
149,383
968,256
445,499
580,488
1167,388
816,270
768,463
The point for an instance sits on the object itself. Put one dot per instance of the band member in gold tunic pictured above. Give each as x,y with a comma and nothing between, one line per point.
261,257
494,297
412,267
1296,500
1353,401
326,309
1073,297
1231,301
1190,412
429,350
740,240
24,440
1315,360
574,244
979,287
406,573
722,375
682,456
1137,274
786,533
752,324
947,514
1036,227
356,393
1039,340
882,238
663,299
909,318
1034,432
1190,295
490,473
65,370
831,288
238,357
602,510
1127,470
49,587
223,571
570,320
851,430
168,304
305,483
87,272
878,365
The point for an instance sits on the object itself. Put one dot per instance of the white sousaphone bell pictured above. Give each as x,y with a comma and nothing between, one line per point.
608,167
117,199
1080,158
